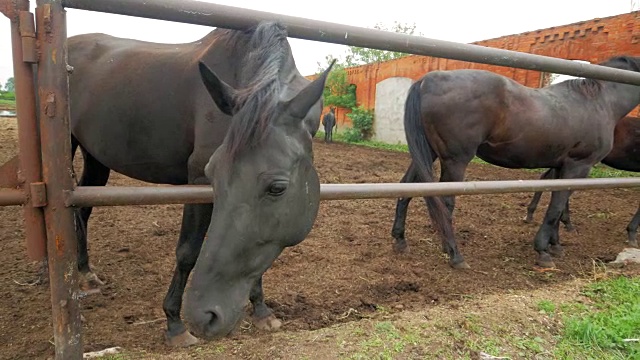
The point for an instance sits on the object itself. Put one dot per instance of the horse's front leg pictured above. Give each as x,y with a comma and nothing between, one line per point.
547,239
632,229
565,218
195,222
533,205
263,317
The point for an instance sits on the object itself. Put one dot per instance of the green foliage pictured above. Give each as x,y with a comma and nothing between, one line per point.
357,56
10,85
340,93
360,56
7,100
337,91
362,120
7,95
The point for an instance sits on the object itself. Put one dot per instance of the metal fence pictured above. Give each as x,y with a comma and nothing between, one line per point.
40,178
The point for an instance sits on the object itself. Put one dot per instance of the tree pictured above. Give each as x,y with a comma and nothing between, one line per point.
10,85
340,93
337,91
360,56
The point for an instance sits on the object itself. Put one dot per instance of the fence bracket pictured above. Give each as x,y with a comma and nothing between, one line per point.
28,35
38,194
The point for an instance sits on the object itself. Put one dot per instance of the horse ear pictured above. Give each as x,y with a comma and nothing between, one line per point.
222,93
299,106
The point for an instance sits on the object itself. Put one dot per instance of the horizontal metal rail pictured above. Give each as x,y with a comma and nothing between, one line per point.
11,197
192,194
209,14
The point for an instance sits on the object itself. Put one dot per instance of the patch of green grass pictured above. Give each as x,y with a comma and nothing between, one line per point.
339,137
116,357
600,328
604,171
528,345
547,307
7,103
385,342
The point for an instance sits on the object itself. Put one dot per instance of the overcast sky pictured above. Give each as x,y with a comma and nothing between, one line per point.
461,21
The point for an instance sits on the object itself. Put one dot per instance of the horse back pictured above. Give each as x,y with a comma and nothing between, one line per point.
133,104
457,99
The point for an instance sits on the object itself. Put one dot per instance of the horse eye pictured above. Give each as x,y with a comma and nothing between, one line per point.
277,188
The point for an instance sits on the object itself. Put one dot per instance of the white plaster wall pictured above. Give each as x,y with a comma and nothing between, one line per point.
388,125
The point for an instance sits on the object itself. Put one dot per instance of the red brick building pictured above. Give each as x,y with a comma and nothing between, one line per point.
593,40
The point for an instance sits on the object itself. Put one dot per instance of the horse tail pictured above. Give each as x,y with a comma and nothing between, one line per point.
419,146
421,155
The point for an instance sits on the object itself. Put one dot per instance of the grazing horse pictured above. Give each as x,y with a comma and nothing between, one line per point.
230,110
625,155
329,122
456,115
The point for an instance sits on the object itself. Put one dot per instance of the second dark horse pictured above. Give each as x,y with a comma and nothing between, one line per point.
625,155
456,115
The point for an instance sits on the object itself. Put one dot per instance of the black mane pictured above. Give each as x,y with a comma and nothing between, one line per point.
592,87
259,82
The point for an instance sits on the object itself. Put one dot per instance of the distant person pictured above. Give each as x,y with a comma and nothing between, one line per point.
329,122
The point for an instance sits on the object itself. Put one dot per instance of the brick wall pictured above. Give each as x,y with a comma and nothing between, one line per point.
594,40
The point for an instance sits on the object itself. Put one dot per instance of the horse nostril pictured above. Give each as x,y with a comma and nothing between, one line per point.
214,320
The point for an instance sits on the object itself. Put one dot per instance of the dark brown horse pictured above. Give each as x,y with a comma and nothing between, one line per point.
329,122
456,115
146,111
625,155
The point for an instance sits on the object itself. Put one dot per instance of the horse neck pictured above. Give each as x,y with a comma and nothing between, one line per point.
226,50
622,98
222,48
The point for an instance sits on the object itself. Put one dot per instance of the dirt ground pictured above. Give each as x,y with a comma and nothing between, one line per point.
346,262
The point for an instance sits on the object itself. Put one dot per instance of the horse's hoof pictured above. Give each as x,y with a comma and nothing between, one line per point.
90,283
462,265
528,219
633,244
400,248
569,228
182,340
269,323
556,250
544,261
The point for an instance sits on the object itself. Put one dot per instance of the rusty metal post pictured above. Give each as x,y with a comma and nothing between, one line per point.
53,94
23,39
9,197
